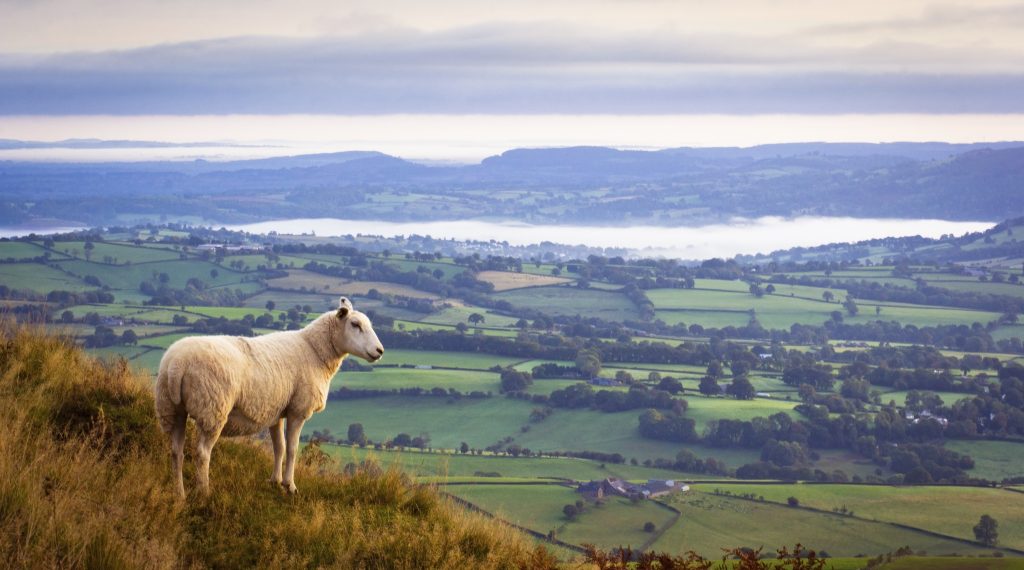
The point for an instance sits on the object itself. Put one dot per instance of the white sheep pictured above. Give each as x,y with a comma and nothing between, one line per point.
239,386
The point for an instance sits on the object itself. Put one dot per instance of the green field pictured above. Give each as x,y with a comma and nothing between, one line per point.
710,523
287,299
900,397
456,315
579,430
952,511
398,378
474,360
570,301
128,277
117,253
39,278
993,460
164,341
936,563
479,423
720,308
22,250
446,467
539,507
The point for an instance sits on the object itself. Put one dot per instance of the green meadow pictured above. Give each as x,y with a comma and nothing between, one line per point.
951,511
710,523
571,301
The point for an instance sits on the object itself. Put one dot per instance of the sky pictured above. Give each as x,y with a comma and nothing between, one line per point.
457,79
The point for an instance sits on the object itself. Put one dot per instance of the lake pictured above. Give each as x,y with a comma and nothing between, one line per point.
739,236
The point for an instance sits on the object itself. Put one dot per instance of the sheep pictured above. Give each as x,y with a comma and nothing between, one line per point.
233,386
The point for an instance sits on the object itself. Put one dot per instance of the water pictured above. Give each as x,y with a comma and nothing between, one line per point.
739,236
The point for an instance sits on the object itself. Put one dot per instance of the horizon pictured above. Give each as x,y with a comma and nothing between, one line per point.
467,139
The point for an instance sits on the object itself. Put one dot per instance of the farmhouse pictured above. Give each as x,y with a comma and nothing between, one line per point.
599,489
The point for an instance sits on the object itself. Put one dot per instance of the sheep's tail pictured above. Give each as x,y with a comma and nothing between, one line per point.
168,395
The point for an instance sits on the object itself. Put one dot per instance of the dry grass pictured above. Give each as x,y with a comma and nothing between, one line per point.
85,483
506,280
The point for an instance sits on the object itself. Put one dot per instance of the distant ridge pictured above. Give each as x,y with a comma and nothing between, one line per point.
580,185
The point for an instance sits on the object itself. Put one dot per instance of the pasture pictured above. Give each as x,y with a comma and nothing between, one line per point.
711,522
117,253
398,378
539,507
722,308
307,281
471,360
128,277
460,314
952,511
39,278
478,422
507,280
22,250
578,430
571,301
442,467
993,460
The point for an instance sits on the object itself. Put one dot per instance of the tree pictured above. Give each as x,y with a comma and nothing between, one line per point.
756,290
463,448
513,380
793,502
476,319
129,337
570,512
588,362
650,527
89,246
461,327
986,531
214,273
715,369
270,305
67,317
769,289
709,386
828,296
741,389
851,306
356,434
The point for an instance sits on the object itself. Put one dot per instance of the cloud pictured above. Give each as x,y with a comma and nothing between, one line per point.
502,68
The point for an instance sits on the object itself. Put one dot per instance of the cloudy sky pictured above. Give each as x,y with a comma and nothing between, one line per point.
453,78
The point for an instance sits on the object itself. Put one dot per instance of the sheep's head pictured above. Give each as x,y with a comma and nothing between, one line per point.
357,334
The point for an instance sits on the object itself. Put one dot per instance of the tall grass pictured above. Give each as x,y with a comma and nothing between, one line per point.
85,482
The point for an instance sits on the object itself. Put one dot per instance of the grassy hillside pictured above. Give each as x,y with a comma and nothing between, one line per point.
93,490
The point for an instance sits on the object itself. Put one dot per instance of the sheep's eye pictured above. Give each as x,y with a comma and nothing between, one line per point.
357,325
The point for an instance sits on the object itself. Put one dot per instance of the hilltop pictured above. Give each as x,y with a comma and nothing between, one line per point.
84,482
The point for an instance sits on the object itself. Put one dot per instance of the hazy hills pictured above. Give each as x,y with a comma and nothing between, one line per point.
579,184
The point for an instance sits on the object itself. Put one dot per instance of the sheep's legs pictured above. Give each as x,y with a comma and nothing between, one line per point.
207,439
277,437
294,428
178,451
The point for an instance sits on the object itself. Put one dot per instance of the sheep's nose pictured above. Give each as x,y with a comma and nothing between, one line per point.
380,350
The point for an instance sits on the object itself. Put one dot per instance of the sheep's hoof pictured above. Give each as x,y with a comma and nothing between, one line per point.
291,488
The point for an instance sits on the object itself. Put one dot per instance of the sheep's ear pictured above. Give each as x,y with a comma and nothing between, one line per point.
342,312
344,302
